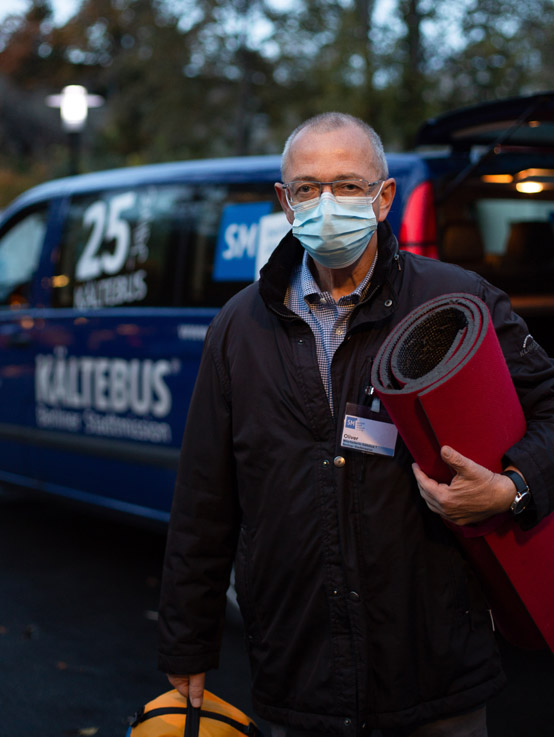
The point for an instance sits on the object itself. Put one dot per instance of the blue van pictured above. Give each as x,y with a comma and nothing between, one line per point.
108,282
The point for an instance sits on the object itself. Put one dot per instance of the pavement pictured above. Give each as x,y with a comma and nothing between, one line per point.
78,599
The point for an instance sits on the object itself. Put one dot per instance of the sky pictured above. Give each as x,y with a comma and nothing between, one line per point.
63,9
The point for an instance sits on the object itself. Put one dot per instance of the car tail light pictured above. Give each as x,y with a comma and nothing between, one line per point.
418,230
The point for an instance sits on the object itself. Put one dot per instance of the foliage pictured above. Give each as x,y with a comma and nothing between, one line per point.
507,51
195,78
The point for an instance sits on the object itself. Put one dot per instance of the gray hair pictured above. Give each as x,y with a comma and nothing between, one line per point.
325,122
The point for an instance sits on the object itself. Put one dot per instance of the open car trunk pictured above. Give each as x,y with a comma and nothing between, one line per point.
496,215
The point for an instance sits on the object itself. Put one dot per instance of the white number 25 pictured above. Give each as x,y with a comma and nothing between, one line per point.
107,225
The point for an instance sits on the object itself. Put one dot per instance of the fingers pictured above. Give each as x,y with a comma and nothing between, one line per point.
196,689
181,683
472,495
191,687
425,484
428,488
421,477
455,460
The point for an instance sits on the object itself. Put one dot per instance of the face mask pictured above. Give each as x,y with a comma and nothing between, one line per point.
335,231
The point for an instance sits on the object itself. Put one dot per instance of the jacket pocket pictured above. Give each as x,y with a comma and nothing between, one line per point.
470,603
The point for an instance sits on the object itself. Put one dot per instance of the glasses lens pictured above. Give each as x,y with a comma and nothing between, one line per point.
374,189
356,188
303,191
351,188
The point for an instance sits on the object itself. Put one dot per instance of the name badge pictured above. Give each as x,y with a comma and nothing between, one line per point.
361,431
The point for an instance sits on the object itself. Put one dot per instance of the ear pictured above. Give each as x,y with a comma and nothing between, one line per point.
385,199
280,192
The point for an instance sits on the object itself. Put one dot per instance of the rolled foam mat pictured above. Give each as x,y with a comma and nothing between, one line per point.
443,379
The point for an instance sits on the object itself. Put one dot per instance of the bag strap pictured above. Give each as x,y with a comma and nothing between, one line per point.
143,716
192,722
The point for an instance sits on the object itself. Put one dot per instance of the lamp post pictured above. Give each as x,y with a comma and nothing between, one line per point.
74,103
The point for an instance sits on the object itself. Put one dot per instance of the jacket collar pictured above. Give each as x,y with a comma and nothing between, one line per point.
276,274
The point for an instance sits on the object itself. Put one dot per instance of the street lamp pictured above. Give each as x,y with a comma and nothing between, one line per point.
74,103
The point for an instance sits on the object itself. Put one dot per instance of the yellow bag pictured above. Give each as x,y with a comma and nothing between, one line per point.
170,716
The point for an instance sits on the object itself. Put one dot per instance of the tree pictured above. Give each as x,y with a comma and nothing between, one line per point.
194,78
496,58
30,136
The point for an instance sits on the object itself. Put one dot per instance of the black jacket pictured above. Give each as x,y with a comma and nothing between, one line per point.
360,610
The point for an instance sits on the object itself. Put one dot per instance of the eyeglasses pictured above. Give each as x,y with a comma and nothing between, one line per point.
302,190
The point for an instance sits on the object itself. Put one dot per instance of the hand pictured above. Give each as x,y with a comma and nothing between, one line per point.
473,495
191,687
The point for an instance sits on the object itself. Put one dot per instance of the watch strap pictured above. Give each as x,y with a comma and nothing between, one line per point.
523,495
517,479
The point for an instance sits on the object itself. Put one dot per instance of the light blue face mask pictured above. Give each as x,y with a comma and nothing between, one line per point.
335,231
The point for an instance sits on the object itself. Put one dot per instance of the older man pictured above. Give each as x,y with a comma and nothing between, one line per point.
360,611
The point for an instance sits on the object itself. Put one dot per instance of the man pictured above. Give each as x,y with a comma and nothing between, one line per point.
360,611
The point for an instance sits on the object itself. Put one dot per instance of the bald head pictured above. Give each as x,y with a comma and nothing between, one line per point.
329,122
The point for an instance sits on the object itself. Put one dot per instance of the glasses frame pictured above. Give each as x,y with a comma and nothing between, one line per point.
330,184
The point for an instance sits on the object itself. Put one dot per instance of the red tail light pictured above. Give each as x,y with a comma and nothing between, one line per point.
418,231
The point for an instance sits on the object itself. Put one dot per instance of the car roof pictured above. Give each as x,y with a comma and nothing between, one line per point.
235,169
515,121
223,170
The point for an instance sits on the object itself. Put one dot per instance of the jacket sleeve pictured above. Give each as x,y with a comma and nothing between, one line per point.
203,530
532,372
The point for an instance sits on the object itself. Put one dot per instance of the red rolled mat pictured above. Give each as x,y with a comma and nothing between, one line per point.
443,379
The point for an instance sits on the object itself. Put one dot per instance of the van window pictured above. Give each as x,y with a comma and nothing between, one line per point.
151,245
509,240
518,241
20,249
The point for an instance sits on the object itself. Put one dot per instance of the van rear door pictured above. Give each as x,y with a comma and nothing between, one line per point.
496,214
518,121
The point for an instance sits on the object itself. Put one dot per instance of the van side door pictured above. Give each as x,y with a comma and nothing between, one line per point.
135,282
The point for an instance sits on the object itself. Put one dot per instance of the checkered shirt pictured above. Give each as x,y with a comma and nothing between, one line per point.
327,318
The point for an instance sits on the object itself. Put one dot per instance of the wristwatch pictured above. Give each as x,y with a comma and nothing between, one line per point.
523,495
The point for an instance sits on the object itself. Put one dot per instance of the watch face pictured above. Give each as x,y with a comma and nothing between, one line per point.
520,502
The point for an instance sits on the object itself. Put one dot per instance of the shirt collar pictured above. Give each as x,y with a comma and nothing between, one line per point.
312,294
